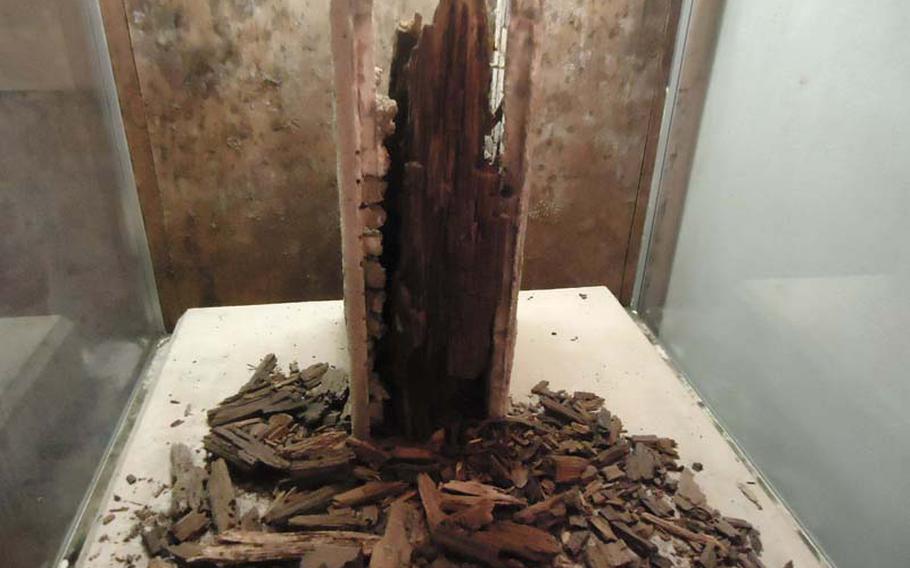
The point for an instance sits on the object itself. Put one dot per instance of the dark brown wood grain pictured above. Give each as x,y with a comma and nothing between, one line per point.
455,219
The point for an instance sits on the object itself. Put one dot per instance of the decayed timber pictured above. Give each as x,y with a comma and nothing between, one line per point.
522,60
456,218
432,262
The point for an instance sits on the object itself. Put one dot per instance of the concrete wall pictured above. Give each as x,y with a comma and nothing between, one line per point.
787,304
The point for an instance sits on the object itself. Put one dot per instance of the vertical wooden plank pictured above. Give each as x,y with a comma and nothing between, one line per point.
347,19
522,61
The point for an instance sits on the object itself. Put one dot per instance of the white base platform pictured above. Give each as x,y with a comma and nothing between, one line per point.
578,339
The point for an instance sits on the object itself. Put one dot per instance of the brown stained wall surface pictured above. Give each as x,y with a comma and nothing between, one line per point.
600,72
238,99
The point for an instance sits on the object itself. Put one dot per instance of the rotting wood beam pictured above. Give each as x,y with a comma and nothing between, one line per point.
459,217
445,336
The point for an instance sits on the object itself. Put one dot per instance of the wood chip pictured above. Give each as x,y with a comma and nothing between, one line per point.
292,504
484,491
221,497
641,464
476,516
750,495
369,492
431,499
241,547
520,540
529,514
394,549
328,522
190,526
568,468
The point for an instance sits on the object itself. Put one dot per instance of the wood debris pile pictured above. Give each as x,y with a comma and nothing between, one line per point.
557,484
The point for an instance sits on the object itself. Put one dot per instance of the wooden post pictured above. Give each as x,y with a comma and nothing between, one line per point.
447,237
362,163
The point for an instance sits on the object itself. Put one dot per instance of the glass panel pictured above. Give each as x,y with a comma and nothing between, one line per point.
788,305
78,314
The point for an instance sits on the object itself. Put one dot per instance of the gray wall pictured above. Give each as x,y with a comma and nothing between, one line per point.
78,313
788,305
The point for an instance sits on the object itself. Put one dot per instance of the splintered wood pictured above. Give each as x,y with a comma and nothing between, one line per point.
558,483
432,228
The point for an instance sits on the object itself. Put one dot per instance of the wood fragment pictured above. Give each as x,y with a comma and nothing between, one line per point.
708,556
221,497
431,499
327,522
326,468
463,544
523,541
241,547
484,491
641,464
250,520
154,538
750,495
406,453
642,546
261,374
529,514
568,468
369,492
689,489
368,452
242,449
190,526
683,532
187,482
612,455
289,505
601,527
316,446
563,411
476,516
599,554
334,556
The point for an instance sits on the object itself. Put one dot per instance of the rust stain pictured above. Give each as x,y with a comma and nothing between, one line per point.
238,96
600,70
239,102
